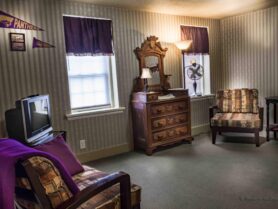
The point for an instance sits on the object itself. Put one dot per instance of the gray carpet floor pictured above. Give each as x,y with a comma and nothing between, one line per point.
233,174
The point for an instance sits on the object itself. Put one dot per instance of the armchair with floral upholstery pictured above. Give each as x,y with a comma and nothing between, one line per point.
237,110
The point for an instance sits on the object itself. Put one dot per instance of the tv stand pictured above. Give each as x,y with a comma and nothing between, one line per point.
47,137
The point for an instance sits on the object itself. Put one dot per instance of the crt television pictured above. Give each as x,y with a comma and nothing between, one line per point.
30,120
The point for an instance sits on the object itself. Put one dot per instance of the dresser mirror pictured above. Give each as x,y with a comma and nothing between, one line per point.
152,62
151,55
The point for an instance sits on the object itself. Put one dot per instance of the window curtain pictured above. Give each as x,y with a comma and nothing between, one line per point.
88,36
199,37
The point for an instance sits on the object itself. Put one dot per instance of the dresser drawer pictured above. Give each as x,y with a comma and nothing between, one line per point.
159,123
168,108
170,133
177,119
163,122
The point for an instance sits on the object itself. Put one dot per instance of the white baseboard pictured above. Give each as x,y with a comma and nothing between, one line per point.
200,129
110,151
103,153
205,128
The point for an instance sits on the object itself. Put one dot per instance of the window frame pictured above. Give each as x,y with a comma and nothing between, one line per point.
81,112
109,84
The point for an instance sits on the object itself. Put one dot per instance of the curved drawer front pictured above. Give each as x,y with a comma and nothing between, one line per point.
181,131
169,121
159,123
160,136
173,107
176,119
170,133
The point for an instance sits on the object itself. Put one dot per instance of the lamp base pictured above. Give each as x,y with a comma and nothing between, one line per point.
146,87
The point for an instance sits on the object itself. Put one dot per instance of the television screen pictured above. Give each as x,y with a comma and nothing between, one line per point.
39,114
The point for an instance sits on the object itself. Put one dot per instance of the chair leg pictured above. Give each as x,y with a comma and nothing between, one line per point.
213,135
257,138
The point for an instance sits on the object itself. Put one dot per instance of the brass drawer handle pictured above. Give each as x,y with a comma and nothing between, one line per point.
169,108
159,137
180,107
181,132
171,133
182,120
170,120
159,111
159,124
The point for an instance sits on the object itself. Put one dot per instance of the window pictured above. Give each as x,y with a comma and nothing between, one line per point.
197,53
203,84
91,63
90,81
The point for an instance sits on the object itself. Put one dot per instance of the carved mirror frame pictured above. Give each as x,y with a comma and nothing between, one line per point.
151,47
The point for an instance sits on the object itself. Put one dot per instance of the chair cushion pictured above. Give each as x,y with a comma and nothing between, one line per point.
238,100
240,120
61,150
56,190
249,100
109,198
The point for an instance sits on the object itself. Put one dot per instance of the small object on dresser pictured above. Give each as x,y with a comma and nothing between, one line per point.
146,73
167,96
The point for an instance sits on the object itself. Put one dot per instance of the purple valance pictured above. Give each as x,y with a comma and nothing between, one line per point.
199,37
88,36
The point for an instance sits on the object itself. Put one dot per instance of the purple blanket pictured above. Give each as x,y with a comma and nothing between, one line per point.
10,152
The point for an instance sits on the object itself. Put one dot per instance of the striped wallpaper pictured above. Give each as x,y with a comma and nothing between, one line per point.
250,51
43,71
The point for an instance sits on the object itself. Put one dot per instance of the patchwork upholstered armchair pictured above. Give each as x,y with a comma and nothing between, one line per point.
236,110
40,185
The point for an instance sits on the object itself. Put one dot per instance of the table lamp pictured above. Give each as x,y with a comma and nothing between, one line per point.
146,73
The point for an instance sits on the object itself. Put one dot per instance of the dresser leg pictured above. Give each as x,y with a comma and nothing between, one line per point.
267,121
257,138
213,135
188,140
149,151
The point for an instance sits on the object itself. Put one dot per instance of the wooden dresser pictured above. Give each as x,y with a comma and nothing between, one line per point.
160,122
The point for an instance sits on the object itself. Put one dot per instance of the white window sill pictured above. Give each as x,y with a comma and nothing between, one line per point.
201,98
94,113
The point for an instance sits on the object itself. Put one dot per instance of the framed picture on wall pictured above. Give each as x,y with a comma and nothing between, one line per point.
17,41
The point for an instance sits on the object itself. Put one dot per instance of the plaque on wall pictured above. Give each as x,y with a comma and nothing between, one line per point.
17,41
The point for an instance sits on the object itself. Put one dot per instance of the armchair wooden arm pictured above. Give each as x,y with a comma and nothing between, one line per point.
261,115
211,111
103,183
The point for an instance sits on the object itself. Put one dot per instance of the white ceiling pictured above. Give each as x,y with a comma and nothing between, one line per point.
196,8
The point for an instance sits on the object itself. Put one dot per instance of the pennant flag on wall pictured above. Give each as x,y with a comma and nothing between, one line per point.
40,44
9,21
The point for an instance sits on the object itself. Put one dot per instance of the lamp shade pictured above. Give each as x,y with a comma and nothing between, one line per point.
146,73
183,45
